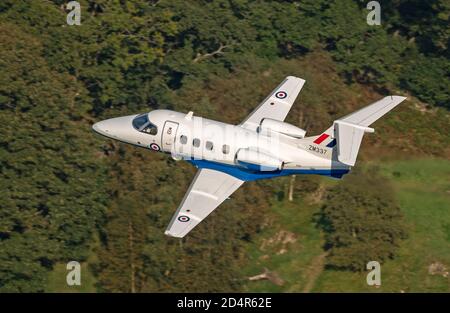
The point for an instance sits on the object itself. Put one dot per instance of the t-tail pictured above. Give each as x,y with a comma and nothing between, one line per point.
346,133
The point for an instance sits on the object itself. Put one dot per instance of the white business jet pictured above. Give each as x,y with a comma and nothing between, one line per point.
262,146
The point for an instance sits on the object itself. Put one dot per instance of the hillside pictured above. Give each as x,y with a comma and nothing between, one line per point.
409,148
68,194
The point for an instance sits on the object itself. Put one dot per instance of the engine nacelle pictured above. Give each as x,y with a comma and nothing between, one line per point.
270,125
258,161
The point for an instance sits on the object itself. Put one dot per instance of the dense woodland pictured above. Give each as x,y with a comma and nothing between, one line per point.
67,194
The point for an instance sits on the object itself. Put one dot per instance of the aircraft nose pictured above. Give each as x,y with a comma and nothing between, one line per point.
99,127
116,128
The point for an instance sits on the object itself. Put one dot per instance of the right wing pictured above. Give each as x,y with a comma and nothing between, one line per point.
207,191
277,105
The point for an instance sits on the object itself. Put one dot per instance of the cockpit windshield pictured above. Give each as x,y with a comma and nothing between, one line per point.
142,124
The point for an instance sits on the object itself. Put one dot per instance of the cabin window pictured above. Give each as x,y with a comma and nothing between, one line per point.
183,139
196,142
209,145
226,149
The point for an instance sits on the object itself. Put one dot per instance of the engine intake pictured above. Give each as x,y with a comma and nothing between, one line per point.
271,125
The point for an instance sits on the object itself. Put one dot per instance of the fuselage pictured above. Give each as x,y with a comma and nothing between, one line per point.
245,153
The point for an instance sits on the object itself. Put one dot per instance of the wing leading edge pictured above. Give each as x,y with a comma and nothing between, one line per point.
277,104
206,192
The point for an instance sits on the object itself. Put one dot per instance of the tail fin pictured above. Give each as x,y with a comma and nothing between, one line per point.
347,132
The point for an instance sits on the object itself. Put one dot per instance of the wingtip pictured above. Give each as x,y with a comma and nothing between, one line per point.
399,98
168,233
294,77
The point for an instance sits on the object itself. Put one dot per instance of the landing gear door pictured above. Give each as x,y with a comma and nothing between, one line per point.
169,135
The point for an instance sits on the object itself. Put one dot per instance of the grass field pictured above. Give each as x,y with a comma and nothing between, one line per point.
423,191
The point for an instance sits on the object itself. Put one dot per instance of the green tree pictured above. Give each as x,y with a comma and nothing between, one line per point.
52,196
362,221
132,56
426,77
424,22
135,255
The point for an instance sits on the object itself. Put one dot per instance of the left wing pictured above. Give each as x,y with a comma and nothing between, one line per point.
277,104
207,191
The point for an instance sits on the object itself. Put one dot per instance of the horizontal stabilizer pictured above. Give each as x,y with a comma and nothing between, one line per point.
369,114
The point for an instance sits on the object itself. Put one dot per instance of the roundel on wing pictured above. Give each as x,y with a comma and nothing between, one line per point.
281,94
183,218
155,147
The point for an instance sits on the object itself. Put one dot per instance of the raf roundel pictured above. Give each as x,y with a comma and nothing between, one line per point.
281,94
154,146
183,218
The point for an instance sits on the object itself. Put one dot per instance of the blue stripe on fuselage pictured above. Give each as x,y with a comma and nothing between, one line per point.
247,175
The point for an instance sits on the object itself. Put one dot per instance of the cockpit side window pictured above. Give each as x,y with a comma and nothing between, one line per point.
150,129
142,124
140,121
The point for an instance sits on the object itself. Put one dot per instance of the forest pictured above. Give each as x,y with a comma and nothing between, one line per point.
68,194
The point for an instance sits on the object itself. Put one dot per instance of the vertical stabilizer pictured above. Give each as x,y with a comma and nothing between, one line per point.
348,140
347,132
